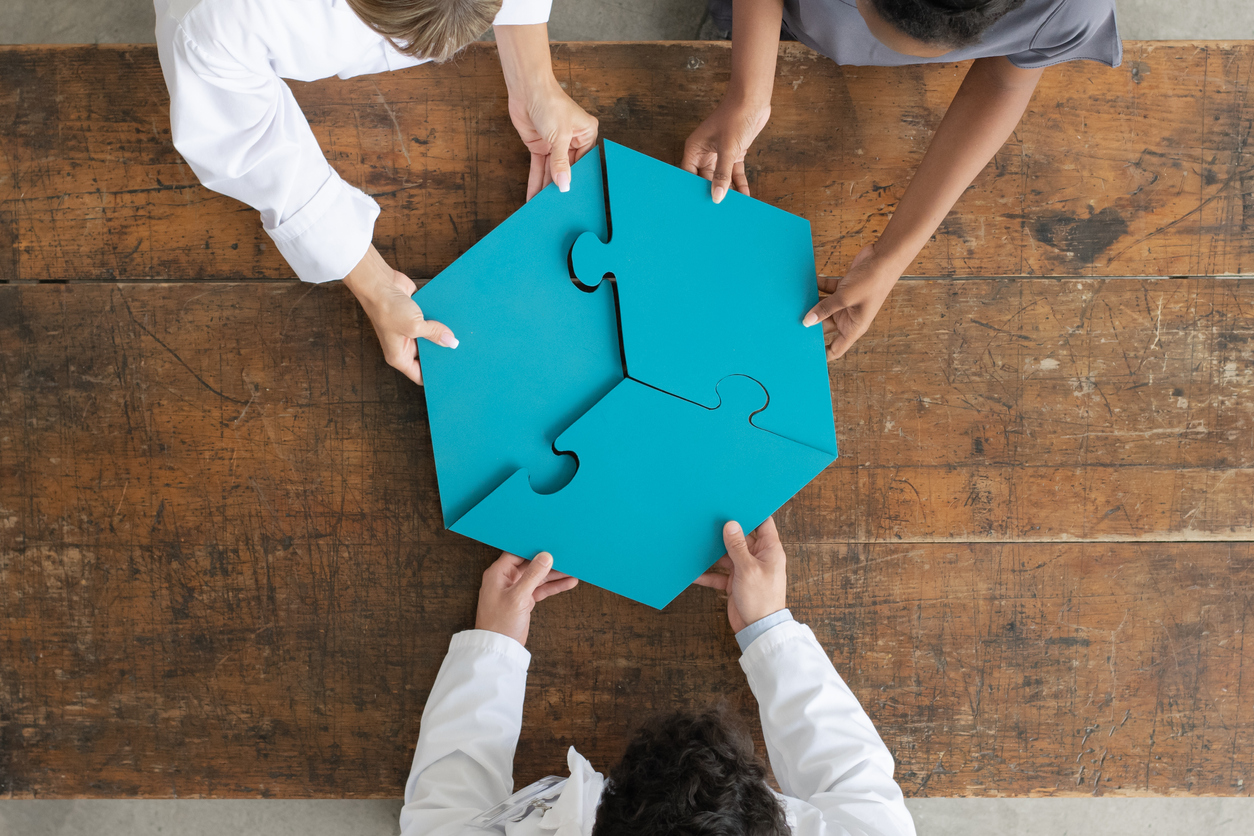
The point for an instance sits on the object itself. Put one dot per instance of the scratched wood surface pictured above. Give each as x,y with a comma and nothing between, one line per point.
222,569
1144,170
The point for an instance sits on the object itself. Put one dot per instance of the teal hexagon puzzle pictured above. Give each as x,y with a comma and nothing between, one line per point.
625,464
710,289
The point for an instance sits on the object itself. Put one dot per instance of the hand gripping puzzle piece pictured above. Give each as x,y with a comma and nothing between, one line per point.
545,439
658,477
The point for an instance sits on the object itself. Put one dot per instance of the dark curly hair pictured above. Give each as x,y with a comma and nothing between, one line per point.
951,23
690,775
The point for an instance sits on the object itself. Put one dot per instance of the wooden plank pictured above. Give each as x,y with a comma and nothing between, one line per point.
1142,170
989,669
222,568
297,666
1017,410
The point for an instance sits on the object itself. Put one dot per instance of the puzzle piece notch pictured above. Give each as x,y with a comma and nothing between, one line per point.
536,351
679,470
709,290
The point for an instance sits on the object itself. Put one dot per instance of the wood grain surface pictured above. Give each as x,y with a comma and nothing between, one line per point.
1144,170
223,573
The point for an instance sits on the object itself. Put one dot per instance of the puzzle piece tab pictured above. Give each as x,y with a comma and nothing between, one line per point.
536,351
706,291
658,477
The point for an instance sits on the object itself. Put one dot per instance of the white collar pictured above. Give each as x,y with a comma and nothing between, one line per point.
575,810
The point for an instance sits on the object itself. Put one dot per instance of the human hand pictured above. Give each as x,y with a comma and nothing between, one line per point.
716,150
511,589
753,573
398,322
555,130
853,301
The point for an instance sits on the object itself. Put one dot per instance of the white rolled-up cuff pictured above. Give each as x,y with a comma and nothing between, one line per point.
328,236
523,12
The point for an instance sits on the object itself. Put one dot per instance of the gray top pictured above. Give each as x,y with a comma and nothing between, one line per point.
1037,34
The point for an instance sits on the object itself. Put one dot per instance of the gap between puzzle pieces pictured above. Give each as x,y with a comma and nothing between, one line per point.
538,356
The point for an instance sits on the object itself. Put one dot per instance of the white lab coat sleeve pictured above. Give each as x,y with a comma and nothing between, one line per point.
523,12
822,745
464,761
238,126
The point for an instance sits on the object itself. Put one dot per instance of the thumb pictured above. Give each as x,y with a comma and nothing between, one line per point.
734,540
559,162
535,574
825,308
436,332
722,175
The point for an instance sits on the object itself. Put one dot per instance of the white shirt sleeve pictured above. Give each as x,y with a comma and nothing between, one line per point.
464,761
243,134
523,12
822,745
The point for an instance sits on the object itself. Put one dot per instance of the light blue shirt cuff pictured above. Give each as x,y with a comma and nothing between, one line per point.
746,636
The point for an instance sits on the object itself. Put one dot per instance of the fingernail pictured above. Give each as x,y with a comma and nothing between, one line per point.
562,179
449,340
809,320
545,560
719,192
733,527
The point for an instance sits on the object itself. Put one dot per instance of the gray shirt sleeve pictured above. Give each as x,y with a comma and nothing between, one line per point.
1036,34
1074,30
746,636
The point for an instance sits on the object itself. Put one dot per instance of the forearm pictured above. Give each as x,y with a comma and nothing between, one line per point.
240,129
981,117
823,747
463,763
525,59
755,46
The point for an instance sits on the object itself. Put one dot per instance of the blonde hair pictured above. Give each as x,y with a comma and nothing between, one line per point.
434,29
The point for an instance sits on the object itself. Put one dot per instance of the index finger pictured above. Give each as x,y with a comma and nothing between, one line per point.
410,367
714,580
767,531
828,284
691,160
509,560
535,177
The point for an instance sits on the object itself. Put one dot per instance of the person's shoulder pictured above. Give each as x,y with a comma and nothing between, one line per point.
1069,30
1071,17
252,32
217,22
208,12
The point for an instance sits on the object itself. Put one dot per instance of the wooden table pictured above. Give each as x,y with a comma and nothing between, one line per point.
222,567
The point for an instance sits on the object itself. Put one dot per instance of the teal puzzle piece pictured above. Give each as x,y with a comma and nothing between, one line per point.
658,477
542,444
709,290
536,351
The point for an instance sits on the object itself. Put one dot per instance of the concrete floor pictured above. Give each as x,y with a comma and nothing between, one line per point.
932,817
131,21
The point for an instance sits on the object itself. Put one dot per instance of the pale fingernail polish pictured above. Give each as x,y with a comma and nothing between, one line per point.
809,320
449,340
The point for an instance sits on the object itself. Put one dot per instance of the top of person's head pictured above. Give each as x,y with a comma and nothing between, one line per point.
434,29
689,775
937,26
